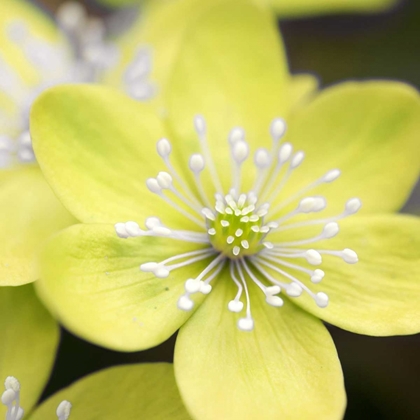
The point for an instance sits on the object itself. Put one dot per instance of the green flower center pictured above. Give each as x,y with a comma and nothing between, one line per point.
236,229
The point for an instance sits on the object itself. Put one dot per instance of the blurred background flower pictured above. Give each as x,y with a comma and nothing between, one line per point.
381,373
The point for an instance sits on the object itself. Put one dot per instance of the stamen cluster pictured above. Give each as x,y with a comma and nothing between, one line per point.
11,399
234,228
82,59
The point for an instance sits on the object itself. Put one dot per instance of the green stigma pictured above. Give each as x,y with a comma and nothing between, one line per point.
236,229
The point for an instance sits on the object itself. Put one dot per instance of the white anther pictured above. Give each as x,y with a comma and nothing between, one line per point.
161,272
71,15
268,245
353,205
285,152
330,230
8,396
25,139
185,303
262,158
121,231
240,151
200,125
153,185
224,223
133,229
297,159
272,290
205,288
235,306
313,257
63,410
12,383
149,267
317,276
212,231
236,134
272,225
239,233
208,214
25,155
320,204
152,222
162,231
230,239
294,290
331,176
306,205
164,148
164,180
196,163
246,324
192,286
236,250
245,244
321,299
277,128
274,301
255,229
349,256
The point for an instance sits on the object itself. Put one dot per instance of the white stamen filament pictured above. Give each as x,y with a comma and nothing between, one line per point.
237,226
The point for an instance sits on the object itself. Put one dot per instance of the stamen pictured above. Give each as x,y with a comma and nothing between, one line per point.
240,152
235,305
330,176
352,206
284,155
197,165
330,230
164,148
200,128
161,270
247,323
63,410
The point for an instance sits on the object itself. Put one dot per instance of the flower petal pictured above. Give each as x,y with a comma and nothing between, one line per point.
380,294
367,130
286,368
131,392
29,214
96,148
302,87
91,280
231,68
29,339
298,8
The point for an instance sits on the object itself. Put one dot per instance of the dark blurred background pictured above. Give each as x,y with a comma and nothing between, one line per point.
382,374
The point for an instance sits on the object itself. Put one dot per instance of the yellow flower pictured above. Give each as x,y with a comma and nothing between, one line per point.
97,149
